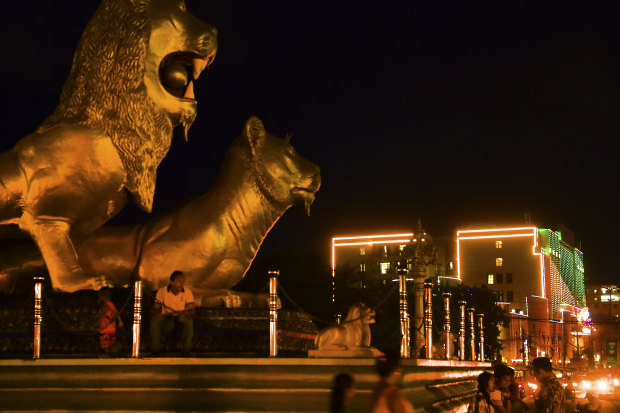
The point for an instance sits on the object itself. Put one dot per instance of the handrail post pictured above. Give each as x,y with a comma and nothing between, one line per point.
38,316
472,333
273,313
404,315
481,334
446,326
428,319
137,318
462,305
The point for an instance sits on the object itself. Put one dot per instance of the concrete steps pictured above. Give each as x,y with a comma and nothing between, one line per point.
219,384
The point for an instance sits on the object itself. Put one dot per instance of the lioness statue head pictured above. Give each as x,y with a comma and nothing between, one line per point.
130,79
282,175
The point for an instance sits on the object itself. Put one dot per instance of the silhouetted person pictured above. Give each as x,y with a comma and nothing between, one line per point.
387,396
343,392
550,397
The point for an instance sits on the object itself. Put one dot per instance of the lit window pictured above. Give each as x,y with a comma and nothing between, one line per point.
491,279
498,244
385,267
385,250
401,247
362,267
362,251
509,296
499,262
500,295
451,265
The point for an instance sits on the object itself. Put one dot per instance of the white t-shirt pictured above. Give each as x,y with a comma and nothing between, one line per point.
170,302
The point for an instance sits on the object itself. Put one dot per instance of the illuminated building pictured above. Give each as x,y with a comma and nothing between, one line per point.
537,277
603,299
381,254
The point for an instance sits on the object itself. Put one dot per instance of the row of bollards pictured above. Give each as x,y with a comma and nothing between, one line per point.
405,330
428,324
137,316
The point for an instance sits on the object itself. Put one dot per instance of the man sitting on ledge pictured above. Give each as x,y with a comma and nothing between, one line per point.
173,304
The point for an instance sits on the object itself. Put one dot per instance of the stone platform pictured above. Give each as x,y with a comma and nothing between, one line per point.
220,384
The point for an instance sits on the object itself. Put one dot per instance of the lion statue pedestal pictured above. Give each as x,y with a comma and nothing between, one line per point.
349,339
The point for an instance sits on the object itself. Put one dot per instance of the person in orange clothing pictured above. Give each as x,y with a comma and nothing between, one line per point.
108,320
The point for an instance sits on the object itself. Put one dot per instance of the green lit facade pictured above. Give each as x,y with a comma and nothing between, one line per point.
564,270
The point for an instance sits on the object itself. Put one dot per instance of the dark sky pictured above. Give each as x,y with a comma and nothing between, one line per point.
456,113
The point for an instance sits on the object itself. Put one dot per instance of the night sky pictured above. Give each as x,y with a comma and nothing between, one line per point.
459,114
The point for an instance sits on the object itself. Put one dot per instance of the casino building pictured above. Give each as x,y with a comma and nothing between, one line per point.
539,278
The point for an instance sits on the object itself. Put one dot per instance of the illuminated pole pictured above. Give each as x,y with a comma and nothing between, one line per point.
462,330
273,313
404,315
472,333
446,326
481,340
137,318
419,276
428,319
38,316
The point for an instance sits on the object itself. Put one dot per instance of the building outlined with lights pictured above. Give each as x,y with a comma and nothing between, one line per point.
536,276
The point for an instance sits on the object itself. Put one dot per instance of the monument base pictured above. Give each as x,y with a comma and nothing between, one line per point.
357,353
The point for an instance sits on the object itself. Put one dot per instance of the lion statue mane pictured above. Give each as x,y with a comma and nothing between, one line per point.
130,85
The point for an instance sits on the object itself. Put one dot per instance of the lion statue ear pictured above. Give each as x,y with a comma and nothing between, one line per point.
255,132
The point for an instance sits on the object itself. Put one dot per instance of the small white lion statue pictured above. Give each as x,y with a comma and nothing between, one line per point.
352,334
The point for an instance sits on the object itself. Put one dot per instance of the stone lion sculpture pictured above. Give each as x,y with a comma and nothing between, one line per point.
352,334
214,237
127,90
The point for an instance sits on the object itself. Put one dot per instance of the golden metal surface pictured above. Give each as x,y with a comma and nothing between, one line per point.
214,237
110,131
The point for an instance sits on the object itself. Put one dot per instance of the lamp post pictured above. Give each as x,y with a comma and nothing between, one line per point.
472,333
137,318
428,319
481,333
446,326
404,315
462,305
273,313
38,316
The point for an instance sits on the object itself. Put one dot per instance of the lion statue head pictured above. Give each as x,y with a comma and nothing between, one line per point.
132,77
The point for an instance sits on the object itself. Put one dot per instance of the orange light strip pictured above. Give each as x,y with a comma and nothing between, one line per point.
496,236
373,236
396,241
492,230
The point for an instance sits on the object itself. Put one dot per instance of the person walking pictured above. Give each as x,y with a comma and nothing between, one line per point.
387,397
550,398
342,394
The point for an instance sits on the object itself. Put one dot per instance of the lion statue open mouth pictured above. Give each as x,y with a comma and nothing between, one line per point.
131,83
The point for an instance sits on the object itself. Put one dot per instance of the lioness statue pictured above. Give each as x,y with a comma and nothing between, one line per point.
352,334
127,90
212,238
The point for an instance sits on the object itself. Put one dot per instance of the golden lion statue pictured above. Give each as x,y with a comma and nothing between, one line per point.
127,90
352,334
214,237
